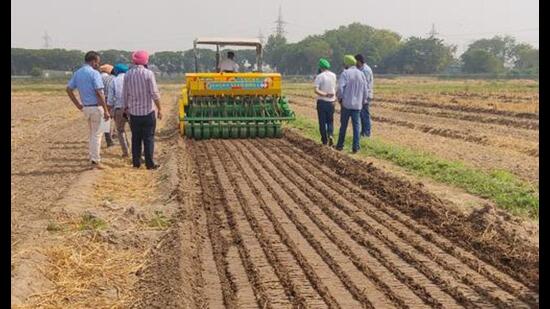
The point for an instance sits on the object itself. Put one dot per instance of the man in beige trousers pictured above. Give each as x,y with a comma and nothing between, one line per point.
92,101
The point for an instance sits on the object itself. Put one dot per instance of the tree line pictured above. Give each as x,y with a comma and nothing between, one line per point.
385,51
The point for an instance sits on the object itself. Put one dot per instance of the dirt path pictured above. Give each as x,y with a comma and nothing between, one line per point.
67,217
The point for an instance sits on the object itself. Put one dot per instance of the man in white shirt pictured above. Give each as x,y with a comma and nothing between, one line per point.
325,88
116,104
228,64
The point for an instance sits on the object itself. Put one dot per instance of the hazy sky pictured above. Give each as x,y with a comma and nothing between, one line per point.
172,25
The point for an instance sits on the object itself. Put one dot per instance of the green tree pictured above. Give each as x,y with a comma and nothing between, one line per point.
114,56
168,62
36,72
502,47
274,50
526,59
481,61
419,56
206,60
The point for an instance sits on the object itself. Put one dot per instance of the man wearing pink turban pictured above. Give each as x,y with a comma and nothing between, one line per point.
139,92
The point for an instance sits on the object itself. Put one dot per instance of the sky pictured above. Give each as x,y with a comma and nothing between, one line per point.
173,24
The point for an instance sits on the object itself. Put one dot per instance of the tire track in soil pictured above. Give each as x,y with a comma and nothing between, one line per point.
264,210
453,269
401,268
466,267
330,254
261,274
410,200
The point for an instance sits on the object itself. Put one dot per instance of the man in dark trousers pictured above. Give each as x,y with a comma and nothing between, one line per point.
352,94
365,114
139,92
325,88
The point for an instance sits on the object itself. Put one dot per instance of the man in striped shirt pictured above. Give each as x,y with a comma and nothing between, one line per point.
139,92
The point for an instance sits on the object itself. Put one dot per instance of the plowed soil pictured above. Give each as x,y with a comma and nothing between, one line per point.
481,140
267,223
286,223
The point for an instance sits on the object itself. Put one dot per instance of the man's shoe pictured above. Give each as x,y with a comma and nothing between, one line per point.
108,140
338,148
97,165
355,151
154,167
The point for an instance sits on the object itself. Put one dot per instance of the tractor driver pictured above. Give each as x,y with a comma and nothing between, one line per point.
228,64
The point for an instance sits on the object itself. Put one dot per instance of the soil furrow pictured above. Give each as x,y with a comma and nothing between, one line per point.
459,108
390,286
419,278
340,264
329,270
196,251
426,209
446,265
466,116
485,140
421,237
212,201
285,264
265,284
426,241
463,108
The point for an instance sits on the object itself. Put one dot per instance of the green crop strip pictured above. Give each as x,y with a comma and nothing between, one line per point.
501,187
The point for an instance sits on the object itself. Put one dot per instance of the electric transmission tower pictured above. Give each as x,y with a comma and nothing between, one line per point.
47,39
432,32
280,24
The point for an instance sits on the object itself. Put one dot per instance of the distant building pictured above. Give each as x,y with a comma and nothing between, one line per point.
55,73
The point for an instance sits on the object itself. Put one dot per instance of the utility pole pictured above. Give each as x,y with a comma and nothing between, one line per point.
261,36
47,39
432,32
280,24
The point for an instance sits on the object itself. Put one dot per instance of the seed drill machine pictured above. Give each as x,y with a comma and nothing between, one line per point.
232,105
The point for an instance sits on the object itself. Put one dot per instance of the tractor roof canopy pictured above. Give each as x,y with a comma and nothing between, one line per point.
221,42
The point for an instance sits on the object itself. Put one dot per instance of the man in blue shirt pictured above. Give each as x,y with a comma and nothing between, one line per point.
92,101
365,115
352,94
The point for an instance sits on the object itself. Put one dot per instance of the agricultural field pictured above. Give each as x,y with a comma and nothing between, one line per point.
438,209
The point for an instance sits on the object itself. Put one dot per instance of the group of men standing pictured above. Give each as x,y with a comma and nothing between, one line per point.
123,94
354,91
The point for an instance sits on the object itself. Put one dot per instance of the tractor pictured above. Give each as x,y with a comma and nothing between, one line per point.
232,104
